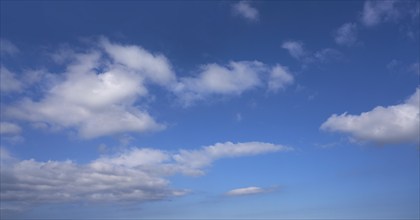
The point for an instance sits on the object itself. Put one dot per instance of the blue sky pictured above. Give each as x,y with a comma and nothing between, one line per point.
210,109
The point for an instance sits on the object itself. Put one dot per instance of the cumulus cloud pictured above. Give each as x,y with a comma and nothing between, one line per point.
246,191
9,128
138,174
245,10
154,67
376,12
8,81
346,34
103,89
382,125
232,79
96,96
7,47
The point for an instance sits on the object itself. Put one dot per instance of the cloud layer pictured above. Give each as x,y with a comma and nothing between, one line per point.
138,174
382,125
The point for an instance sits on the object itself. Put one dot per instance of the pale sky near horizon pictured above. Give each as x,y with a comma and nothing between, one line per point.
210,109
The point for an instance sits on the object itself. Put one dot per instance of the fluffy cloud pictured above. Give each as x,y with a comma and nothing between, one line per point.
102,89
233,79
134,175
246,191
94,102
9,128
383,125
245,10
346,34
376,12
155,68
8,81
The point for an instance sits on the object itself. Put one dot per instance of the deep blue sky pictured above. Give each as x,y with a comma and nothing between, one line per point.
210,109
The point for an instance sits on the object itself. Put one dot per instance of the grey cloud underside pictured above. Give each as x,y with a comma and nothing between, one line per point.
104,90
138,174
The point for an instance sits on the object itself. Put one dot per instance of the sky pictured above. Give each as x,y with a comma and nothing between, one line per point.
210,109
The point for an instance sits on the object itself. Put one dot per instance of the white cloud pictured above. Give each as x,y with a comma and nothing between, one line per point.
94,96
376,12
154,67
191,162
245,10
346,34
382,125
232,79
134,175
7,47
9,128
295,49
280,77
103,89
246,191
8,81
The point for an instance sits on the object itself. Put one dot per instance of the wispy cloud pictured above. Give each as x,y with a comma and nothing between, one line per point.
382,125
346,34
7,47
377,12
297,50
245,10
8,81
415,68
252,190
9,128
